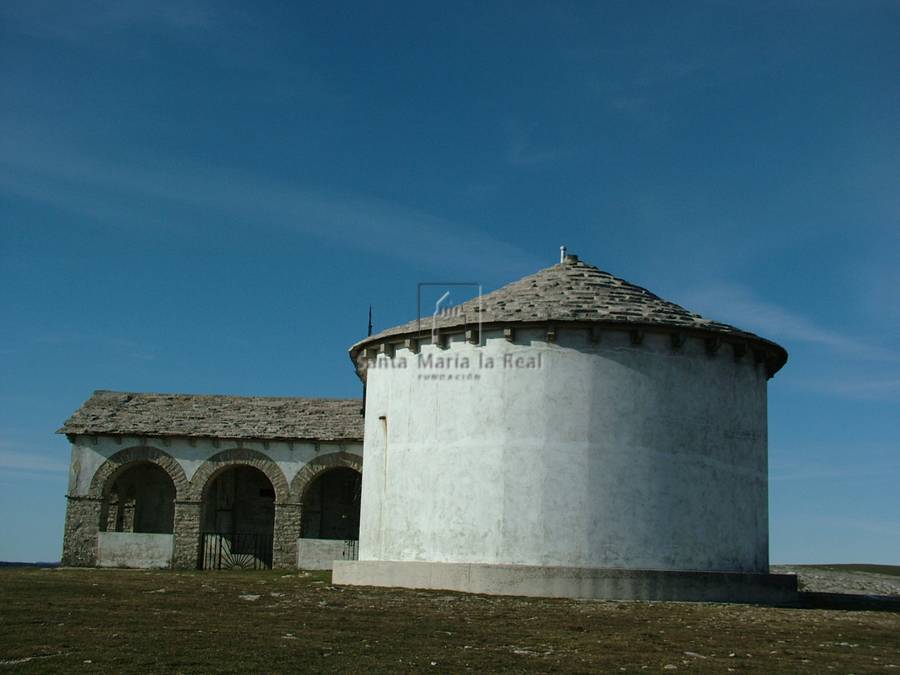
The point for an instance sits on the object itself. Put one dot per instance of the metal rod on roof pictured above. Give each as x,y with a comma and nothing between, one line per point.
369,333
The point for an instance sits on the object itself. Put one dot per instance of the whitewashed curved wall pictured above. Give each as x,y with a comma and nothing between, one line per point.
89,452
608,455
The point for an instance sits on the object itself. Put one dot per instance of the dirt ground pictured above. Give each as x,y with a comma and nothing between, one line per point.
87,620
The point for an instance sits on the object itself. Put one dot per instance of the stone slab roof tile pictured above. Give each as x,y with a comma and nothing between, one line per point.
217,416
574,291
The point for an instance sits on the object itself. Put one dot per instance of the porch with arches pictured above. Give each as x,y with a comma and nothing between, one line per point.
237,510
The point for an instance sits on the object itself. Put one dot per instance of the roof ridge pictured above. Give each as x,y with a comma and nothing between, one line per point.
97,392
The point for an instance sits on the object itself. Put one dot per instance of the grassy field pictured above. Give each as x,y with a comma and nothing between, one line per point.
129,621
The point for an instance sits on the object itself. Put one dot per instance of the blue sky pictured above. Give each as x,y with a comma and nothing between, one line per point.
206,197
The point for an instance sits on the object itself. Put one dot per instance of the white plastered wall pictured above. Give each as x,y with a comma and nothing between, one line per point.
609,454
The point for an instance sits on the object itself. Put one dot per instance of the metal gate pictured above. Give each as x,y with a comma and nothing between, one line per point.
227,551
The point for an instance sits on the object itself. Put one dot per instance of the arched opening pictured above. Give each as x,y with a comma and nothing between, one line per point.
141,498
330,505
238,519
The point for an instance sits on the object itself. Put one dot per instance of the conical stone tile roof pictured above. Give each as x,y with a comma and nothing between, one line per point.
573,292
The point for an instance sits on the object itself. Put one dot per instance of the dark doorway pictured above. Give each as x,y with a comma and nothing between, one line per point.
331,505
238,520
142,499
239,500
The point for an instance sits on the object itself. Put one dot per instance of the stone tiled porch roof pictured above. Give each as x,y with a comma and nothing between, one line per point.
217,416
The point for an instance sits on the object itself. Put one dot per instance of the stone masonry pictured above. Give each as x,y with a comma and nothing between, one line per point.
290,441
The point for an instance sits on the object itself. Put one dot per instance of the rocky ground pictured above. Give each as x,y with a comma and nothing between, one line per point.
89,620
843,579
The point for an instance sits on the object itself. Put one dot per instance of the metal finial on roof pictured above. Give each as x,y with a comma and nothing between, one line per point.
562,254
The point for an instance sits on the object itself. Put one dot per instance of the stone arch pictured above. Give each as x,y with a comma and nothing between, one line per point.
106,475
227,459
316,467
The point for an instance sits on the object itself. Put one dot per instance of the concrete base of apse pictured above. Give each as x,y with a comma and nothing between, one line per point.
571,582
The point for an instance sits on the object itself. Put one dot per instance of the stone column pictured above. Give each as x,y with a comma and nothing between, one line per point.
82,526
128,507
187,535
112,515
287,532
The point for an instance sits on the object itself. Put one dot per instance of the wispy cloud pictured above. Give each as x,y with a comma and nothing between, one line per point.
169,195
740,305
880,527
858,387
83,21
855,369
819,471
22,461
522,150
63,337
131,348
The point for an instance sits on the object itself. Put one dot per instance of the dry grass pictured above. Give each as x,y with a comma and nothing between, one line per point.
129,621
